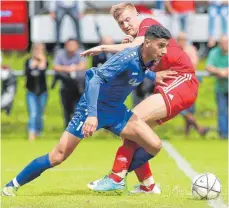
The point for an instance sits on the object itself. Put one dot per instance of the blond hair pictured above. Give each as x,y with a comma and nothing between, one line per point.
117,10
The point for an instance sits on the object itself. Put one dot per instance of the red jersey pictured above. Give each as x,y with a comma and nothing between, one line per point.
175,59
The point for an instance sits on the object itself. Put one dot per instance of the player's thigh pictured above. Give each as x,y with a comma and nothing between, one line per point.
138,131
151,109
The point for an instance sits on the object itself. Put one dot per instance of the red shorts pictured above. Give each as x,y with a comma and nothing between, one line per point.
179,95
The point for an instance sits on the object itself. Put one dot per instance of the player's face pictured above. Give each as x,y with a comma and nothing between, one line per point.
128,22
156,48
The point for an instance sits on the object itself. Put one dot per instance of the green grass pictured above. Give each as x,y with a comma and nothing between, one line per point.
65,186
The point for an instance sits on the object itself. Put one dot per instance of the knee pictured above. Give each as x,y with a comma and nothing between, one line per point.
158,145
155,148
57,157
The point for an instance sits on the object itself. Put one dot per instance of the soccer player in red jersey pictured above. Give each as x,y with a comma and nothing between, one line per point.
164,104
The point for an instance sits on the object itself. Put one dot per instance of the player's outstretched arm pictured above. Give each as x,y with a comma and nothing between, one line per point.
92,94
112,48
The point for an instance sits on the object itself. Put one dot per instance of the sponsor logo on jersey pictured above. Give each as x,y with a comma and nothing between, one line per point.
134,82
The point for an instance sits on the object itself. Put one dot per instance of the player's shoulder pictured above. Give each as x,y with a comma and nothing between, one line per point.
148,22
127,51
128,54
122,58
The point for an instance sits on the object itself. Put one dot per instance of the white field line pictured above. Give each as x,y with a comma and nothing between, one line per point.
189,172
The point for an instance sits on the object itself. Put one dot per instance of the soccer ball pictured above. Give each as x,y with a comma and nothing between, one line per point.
206,186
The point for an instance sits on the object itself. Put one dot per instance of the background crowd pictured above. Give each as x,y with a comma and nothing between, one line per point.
70,68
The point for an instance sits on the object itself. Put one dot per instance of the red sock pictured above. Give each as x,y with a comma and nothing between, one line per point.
123,158
143,172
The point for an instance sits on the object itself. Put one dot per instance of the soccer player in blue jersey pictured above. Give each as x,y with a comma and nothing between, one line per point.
101,106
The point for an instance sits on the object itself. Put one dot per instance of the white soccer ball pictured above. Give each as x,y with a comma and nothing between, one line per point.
206,186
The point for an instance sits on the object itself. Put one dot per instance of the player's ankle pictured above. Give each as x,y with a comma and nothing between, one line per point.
9,184
148,181
13,183
147,188
115,177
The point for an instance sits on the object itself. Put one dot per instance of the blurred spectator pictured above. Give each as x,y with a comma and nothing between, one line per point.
217,65
8,86
159,4
35,68
159,8
188,114
217,8
58,9
70,68
143,9
181,14
100,59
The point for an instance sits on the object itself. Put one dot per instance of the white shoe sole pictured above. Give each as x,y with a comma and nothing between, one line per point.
5,193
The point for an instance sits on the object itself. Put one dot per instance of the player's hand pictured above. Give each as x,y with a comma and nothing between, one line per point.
92,52
90,126
128,39
162,75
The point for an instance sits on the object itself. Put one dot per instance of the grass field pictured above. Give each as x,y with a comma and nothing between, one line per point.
65,186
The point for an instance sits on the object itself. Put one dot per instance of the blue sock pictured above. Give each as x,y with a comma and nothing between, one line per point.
140,157
32,170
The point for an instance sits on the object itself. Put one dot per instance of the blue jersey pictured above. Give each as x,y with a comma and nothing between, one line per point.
110,84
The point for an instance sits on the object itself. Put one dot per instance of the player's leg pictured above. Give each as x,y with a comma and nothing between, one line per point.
165,104
168,101
136,130
140,133
67,143
124,156
128,147
151,109
35,168
177,97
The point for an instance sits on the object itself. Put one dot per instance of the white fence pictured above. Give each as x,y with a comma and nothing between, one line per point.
43,28
51,72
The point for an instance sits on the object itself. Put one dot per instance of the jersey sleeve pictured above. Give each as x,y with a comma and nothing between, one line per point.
145,24
151,75
92,93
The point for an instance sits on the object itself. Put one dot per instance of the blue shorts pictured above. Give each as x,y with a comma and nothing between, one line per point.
112,119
